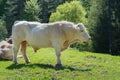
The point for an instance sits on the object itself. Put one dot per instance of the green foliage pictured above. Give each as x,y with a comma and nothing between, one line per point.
82,46
9,16
48,7
115,18
13,12
3,31
76,66
72,11
99,25
86,4
31,11
2,7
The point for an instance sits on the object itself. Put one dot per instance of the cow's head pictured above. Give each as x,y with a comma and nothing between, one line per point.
83,35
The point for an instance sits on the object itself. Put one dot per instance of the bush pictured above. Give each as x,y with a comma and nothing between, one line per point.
3,31
72,11
82,46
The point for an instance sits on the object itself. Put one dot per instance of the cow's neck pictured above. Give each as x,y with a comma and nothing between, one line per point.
71,37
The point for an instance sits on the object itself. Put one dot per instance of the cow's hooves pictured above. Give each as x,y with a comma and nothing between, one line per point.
15,63
28,62
58,65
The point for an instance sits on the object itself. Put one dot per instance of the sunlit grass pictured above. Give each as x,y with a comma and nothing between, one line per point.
76,66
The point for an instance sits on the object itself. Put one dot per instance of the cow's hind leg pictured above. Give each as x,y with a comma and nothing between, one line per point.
15,51
23,50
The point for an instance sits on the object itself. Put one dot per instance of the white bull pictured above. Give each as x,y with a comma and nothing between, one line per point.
58,35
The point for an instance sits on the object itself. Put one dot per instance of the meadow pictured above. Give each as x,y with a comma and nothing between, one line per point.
76,66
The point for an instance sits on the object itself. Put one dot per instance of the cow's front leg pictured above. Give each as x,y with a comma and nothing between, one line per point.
58,58
57,48
58,53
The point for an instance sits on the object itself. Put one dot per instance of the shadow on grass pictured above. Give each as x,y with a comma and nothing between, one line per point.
4,60
45,66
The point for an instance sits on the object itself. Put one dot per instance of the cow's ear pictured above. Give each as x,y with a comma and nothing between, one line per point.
80,26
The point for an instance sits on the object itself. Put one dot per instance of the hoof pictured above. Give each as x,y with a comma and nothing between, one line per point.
15,62
27,62
58,65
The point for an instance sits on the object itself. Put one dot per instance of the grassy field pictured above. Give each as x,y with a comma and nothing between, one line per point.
76,66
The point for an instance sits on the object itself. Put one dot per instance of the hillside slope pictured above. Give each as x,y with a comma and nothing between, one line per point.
76,66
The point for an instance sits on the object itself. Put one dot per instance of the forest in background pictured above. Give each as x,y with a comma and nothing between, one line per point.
101,17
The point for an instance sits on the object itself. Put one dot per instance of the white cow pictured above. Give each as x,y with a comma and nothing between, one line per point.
58,35
5,50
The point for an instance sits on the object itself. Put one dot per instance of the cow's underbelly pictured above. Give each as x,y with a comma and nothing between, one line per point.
39,44
39,41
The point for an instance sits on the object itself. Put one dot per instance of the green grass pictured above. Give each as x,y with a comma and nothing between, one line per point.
76,66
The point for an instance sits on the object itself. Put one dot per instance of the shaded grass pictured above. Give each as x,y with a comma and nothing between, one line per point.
76,66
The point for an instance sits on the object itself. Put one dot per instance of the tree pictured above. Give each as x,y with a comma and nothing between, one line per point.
101,17
18,10
99,25
2,7
86,4
69,12
3,31
14,9
32,11
115,19
48,7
